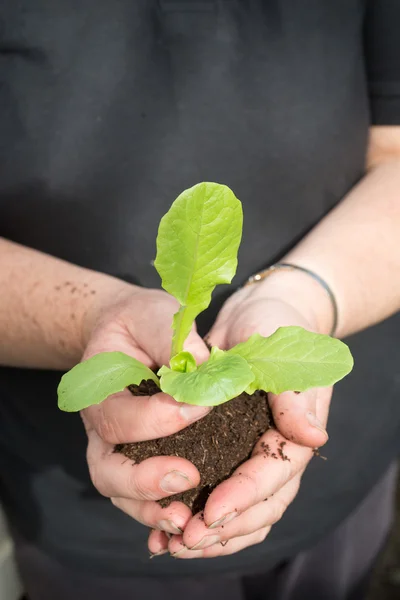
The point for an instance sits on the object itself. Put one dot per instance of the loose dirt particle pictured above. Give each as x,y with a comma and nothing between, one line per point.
281,453
317,454
266,449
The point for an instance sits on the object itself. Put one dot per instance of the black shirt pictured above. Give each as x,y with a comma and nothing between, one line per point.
107,111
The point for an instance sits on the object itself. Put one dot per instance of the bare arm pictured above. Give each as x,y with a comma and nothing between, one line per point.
355,248
43,307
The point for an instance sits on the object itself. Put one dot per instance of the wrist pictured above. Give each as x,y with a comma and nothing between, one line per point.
106,292
303,293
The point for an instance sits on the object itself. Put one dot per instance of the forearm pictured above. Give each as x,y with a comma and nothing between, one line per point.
44,307
355,248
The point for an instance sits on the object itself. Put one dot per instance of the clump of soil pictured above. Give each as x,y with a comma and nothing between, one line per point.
216,445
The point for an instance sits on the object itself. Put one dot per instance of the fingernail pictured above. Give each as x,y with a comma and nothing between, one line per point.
159,553
315,422
223,520
175,481
193,413
206,541
168,525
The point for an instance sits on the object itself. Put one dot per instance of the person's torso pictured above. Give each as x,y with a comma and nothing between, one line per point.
108,110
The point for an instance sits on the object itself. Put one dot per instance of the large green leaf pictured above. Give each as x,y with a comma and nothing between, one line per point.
93,380
221,378
294,359
197,245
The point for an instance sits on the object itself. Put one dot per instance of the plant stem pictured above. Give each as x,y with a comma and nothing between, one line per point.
182,324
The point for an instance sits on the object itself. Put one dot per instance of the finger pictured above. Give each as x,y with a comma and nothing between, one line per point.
152,330
264,514
196,346
301,417
275,461
172,519
147,338
157,543
124,418
116,476
179,550
222,334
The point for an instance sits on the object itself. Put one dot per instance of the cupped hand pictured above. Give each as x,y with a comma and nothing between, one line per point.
242,509
139,324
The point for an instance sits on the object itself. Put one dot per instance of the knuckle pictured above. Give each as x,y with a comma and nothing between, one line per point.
288,468
252,489
116,502
261,535
97,478
164,417
299,465
243,332
150,425
106,431
137,487
165,427
109,428
286,471
279,508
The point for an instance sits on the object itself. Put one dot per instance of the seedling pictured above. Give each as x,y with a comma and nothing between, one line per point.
197,244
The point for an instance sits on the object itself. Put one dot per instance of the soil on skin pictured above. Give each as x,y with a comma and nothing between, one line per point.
216,445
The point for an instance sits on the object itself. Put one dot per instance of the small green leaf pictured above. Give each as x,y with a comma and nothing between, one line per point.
294,359
184,362
93,380
216,381
197,245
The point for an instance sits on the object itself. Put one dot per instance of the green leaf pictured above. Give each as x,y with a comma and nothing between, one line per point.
294,359
184,362
197,245
93,380
216,381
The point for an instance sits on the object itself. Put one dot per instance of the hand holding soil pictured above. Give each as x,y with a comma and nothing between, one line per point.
140,326
237,514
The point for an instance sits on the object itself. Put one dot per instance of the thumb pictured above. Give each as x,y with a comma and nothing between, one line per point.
197,346
217,335
302,417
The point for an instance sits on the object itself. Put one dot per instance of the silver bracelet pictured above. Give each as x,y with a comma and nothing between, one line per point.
278,266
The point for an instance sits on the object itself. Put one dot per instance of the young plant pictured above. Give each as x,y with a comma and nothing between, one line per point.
197,245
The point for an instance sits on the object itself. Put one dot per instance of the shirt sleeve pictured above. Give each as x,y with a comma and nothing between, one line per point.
382,55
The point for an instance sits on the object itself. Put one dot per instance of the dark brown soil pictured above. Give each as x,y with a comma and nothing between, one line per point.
216,445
